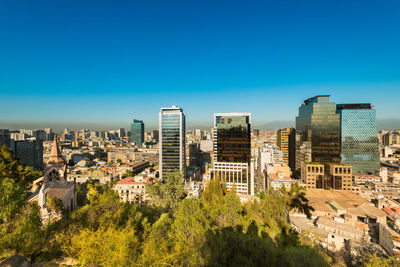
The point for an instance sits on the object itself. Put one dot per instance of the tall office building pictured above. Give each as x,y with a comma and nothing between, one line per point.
359,137
286,142
232,151
318,132
39,135
137,132
29,152
172,145
4,137
121,132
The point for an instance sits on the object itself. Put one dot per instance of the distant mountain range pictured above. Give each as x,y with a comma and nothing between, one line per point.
383,124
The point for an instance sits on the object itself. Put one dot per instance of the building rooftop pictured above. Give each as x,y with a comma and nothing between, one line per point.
341,226
392,211
318,199
59,191
274,176
354,106
367,210
131,180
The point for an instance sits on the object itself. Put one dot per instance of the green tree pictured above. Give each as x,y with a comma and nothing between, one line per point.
23,234
214,191
297,200
128,173
55,204
10,167
108,246
167,194
12,199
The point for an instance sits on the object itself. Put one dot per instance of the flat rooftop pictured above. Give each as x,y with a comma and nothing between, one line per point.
318,199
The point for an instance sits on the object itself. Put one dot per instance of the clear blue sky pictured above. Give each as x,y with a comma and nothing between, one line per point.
106,62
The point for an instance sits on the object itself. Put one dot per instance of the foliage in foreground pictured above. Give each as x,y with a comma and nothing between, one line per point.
215,230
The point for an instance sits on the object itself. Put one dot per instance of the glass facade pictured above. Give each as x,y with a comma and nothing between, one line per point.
233,142
137,132
172,141
318,126
232,151
359,137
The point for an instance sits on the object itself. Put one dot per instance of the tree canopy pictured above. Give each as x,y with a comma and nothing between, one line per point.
215,230
11,168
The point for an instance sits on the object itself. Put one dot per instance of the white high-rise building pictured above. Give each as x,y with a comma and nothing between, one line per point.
172,128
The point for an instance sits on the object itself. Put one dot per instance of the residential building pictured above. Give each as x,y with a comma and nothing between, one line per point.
359,137
268,154
391,138
172,144
121,155
232,151
137,132
133,189
278,175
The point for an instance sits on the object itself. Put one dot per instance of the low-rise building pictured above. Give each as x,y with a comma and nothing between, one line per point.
363,178
327,176
133,189
278,175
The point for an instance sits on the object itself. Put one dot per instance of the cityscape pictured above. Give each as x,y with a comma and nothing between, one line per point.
260,164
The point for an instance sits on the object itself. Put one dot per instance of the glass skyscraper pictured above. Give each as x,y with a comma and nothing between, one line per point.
172,129
318,131
359,137
232,151
137,132
232,134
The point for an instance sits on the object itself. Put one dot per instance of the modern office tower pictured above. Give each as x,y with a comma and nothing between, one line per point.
137,132
359,137
286,141
29,152
318,131
4,137
232,151
172,129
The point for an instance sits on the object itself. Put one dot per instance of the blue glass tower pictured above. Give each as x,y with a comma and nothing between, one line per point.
137,132
172,129
359,137
318,128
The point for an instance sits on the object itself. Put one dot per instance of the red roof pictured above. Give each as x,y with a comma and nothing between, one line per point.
392,211
275,177
131,180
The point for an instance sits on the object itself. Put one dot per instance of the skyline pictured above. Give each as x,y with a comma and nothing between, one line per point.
70,63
